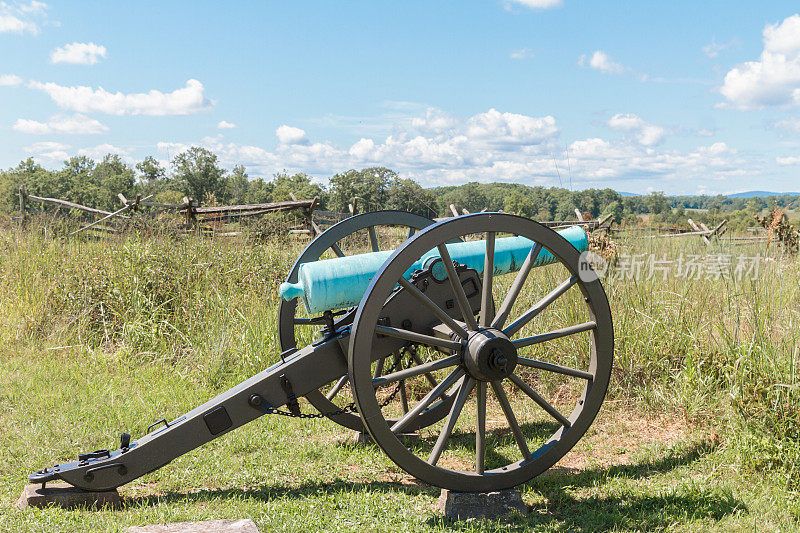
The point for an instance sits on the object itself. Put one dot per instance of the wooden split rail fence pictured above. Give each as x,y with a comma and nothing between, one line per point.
201,219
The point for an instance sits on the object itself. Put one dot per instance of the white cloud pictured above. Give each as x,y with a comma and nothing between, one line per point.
48,150
788,125
625,122
646,134
602,62
536,4
78,54
59,124
101,150
490,146
434,121
713,49
773,80
17,18
34,8
705,133
11,24
9,80
291,135
184,101
510,128
522,53
225,125
786,161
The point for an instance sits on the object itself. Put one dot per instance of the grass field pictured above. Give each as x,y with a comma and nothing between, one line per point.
700,430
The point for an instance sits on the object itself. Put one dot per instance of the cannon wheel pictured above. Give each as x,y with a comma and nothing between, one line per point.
287,311
511,453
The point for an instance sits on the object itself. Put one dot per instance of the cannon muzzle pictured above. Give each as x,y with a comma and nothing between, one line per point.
340,282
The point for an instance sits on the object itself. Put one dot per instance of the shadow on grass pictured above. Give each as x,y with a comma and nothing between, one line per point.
628,508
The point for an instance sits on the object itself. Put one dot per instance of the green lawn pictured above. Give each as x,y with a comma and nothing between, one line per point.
700,431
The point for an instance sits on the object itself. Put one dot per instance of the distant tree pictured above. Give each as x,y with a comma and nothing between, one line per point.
408,195
369,185
111,177
198,174
36,179
236,186
82,188
150,170
615,209
298,184
259,191
656,202
469,196
518,203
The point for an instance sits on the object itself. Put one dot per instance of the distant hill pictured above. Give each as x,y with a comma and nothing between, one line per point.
621,193
758,194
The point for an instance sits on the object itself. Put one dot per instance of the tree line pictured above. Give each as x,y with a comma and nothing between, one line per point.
197,173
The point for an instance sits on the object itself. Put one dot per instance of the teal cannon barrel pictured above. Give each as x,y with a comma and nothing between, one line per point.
341,282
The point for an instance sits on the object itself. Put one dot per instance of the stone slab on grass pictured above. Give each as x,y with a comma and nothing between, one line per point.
476,505
244,525
66,496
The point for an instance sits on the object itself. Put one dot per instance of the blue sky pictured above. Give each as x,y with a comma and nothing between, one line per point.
684,97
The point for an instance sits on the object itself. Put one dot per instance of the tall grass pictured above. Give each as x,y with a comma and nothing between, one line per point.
724,352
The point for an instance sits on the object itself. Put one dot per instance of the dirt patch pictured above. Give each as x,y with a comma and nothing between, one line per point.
617,435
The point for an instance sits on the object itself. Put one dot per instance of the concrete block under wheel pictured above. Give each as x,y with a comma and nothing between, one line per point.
491,505
66,496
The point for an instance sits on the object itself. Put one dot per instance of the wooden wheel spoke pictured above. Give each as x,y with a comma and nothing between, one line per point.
540,306
437,391
418,370
403,395
497,386
337,387
508,302
550,367
555,334
373,239
488,276
379,368
480,430
452,418
458,289
544,404
454,326
338,251
428,375
419,338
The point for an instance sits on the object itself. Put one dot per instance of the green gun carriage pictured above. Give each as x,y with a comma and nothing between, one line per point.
449,335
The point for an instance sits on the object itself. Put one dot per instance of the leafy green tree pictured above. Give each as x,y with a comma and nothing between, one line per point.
517,202
198,174
110,177
150,170
298,184
259,191
469,196
36,179
236,186
657,202
81,186
369,185
408,195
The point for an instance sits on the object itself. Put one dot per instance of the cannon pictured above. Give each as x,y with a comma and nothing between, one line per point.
410,339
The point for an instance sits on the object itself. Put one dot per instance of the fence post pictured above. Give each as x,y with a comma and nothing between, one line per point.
191,219
22,207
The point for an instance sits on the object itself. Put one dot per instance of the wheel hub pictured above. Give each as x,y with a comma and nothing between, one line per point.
489,355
